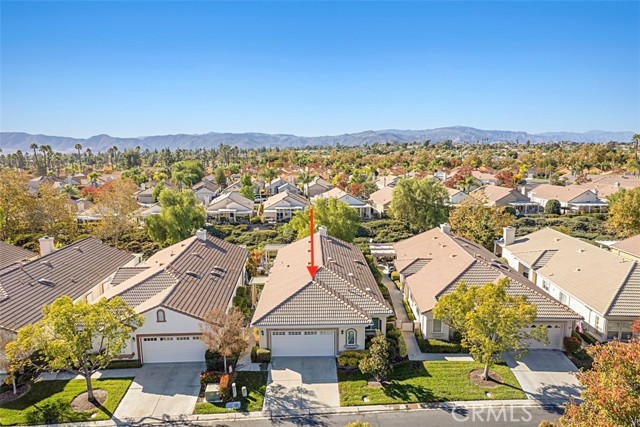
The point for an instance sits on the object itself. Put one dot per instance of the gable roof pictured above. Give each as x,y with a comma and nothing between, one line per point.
382,196
10,254
343,290
562,194
438,261
293,197
72,271
630,245
593,275
341,194
226,199
496,194
318,180
191,277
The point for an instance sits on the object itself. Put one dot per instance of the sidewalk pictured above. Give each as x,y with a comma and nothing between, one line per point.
396,298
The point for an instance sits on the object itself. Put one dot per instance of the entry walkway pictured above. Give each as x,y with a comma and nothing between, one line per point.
396,298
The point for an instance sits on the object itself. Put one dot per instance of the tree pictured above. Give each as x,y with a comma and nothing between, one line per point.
305,179
552,207
490,320
61,216
180,216
624,212
93,177
421,203
223,332
505,178
71,191
76,336
479,223
611,394
79,147
115,203
342,221
220,177
377,364
187,172
246,188
5,338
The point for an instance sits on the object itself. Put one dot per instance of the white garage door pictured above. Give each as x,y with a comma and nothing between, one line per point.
555,332
169,349
303,343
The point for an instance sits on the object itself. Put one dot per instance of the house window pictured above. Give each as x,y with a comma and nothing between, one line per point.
352,337
545,285
596,321
160,316
436,327
563,299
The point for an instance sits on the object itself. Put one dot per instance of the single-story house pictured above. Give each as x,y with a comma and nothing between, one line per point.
381,200
289,187
274,185
80,270
364,209
485,178
173,290
387,181
282,206
10,254
628,248
433,263
456,196
571,197
300,315
318,185
494,195
601,287
230,206
206,191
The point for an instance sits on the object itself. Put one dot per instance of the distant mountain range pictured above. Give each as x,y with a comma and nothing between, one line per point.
12,141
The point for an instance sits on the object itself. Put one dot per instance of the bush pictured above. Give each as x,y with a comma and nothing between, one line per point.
422,343
124,364
225,386
408,310
395,275
210,377
260,355
255,220
588,338
437,346
572,344
402,347
390,325
351,358
241,291
215,361
581,359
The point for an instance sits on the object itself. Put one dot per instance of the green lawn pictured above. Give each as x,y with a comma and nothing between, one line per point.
256,383
414,382
51,400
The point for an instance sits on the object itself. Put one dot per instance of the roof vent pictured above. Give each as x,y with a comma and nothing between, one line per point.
217,274
47,263
557,239
192,274
196,254
580,250
46,282
217,267
350,274
577,270
78,248
452,256
367,289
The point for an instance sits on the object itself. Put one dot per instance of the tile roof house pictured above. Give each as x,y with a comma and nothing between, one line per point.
381,200
173,290
571,197
321,316
79,270
230,207
456,196
602,287
281,207
206,191
433,263
10,254
364,209
494,195
318,186
390,180
628,248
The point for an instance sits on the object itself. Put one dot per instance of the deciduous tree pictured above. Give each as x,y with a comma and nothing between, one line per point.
180,216
421,203
76,336
223,332
342,221
115,203
187,172
482,224
624,212
490,320
377,364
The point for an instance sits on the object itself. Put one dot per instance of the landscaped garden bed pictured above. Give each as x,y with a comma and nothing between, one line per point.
414,382
51,401
256,383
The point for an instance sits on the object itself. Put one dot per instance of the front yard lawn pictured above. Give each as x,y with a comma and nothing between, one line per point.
50,401
256,383
414,382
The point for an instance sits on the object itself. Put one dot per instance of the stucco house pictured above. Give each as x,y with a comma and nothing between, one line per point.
206,191
628,248
230,207
173,290
318,185
381,200
364,209
298,315
10,254
281,207
601,287
494,195
433,263
456,196
390,180
571,197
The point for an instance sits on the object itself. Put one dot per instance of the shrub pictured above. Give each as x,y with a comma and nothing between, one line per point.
588,338
402,347
241,291
437,346
391,325
255,220
225,386
358,424
422,343
260,355
408,310
210,377
215,361
351,358
572,344
124,364
395,275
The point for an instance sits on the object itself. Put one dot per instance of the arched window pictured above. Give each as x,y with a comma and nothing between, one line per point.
352,337
160,317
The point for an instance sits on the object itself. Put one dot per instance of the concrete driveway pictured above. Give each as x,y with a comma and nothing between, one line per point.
545,375
161,389
301,382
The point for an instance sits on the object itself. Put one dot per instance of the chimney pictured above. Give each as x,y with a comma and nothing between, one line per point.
508,235
523,190
201,233
46,245
322,230
445,228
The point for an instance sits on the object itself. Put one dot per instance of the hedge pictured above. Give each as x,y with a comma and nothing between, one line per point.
215,362
437,346
572,344
400,344
588,338
124,364
260,355
395,275
408,310
351,358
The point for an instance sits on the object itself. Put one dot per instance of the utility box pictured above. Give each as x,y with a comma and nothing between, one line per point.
212,393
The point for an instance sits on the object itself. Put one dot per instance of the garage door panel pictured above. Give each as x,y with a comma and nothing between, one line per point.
171,349
303,343
555,333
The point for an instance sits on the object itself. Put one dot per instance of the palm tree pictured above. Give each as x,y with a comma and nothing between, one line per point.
636,139
88,154
79,147
93,177
34,147
112,154
305,179
70,190
43,148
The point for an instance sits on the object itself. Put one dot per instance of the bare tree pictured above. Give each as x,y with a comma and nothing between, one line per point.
223,332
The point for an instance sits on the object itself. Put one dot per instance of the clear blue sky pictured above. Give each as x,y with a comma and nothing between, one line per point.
146,68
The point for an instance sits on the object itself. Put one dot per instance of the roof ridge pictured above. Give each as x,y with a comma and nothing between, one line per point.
342,298
354,287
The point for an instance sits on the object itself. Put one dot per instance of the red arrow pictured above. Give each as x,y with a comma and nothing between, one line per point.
313,268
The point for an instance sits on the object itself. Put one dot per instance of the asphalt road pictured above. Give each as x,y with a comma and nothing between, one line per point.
518,416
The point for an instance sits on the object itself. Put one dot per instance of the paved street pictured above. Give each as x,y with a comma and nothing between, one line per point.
161,389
